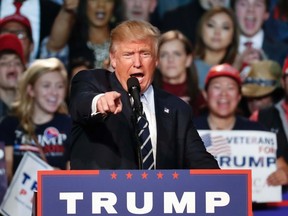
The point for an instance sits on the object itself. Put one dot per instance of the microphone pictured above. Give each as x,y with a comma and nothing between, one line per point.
134,90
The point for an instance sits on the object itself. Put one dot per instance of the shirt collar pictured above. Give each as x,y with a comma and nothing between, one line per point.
257,41
147,98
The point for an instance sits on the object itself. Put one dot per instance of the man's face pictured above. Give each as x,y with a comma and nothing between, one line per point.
21,32
139,9
251,15
134,59
11,68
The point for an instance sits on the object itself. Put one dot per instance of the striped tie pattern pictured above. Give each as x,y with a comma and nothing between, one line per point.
145,140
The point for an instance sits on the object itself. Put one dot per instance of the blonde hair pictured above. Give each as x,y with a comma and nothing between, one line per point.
176,35
23,107
134,30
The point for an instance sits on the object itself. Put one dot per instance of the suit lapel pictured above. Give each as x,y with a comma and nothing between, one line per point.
164,121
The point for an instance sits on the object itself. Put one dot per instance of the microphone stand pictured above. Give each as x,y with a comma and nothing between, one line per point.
139,152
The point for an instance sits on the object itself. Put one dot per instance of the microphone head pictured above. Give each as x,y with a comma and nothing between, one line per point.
133,82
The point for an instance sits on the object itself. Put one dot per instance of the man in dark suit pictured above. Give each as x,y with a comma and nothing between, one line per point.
103,134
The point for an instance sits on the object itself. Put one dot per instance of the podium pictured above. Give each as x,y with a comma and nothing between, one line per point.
144,192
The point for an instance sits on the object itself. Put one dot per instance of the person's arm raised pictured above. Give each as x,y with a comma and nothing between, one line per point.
63,25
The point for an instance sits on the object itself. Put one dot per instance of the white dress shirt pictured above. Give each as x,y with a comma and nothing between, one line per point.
147,100
257,41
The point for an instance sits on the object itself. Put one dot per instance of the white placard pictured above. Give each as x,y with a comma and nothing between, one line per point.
255,150
3,175
19,196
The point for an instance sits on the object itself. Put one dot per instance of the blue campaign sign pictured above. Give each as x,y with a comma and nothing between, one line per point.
143,192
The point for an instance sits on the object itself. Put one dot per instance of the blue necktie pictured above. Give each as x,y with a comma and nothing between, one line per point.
145,140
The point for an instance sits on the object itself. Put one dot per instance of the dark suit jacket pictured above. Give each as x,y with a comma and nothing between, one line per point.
110,143
184,18
275,50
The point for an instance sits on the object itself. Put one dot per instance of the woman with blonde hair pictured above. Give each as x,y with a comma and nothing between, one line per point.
39,120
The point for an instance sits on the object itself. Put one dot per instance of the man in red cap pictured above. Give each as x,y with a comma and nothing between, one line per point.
31,26
223,94
12,65
276,119
20,26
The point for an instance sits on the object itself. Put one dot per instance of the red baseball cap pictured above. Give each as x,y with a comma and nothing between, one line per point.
17,17
223,70
11,42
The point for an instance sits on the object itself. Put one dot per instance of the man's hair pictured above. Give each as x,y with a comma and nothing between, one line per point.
267,3
134,30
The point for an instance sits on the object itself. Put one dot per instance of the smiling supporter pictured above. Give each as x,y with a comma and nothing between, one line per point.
39,120
254,44
223,93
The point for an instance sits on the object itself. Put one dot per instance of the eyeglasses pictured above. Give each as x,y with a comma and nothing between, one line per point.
21,34
10,64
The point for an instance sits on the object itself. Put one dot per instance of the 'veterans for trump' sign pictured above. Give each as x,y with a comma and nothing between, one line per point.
144,192
255,150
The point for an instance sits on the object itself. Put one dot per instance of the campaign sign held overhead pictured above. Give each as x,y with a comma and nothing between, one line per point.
144,192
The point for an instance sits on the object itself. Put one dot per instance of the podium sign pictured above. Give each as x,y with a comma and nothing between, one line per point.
144,192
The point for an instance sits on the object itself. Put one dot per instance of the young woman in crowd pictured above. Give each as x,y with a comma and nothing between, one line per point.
39,121
217,41
176,72
85,26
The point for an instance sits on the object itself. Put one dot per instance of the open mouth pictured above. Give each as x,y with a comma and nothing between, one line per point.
137,75
12,75
100,15
137,13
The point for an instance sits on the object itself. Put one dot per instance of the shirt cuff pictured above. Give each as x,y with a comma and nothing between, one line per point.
94,103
